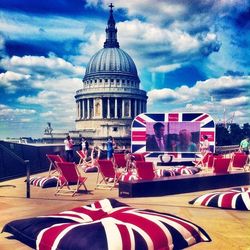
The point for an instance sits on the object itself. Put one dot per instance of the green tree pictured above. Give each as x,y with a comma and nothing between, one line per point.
236,133
222,135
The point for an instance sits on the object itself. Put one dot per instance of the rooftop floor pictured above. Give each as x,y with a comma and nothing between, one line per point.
228,229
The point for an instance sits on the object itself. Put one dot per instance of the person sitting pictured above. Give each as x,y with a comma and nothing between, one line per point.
158,141
185,143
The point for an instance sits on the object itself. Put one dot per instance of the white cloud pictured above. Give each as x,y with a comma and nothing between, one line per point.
28,27
166,68
9,80
198,98
6,111
41,65
242,100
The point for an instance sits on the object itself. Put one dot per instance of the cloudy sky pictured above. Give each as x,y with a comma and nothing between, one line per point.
191,55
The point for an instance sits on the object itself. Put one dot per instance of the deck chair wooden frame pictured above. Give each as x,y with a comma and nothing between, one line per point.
107,177
239,161
52,159
221,165
203,161
138,157
145,170
70,178
82,157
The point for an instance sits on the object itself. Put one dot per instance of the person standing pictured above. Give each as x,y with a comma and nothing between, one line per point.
69,144
110,147
245,145
158,141
205,147
85,146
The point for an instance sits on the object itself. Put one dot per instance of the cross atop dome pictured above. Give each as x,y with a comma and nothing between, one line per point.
111,31
111,6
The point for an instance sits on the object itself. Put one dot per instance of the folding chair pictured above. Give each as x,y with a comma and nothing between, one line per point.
145,170
120,161
82,156
69,175
138,157
221,165
52,159
239,161
109,175
211,158
203,161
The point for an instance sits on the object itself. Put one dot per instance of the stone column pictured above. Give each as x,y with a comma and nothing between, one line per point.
129,112
108,108
145,107
135,108
77,109
101,108
83,108
88,107
80,109
115,107
123,109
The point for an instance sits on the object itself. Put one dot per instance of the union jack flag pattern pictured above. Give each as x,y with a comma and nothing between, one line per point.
44,182
138,131
107,224
237,198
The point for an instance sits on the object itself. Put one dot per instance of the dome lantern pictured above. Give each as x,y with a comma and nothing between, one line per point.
111,32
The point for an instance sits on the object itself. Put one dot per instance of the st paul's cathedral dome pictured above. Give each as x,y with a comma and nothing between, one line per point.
110,97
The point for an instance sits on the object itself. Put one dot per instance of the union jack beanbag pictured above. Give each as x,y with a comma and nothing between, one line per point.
130,176
105,225
237,198
170,172
187,170
44,182
91,169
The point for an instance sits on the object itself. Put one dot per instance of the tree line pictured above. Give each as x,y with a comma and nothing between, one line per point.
231,134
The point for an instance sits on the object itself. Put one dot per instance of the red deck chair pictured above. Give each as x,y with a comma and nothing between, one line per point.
52,159
82,156
69,175
145,170
203,161
239,161
107,177
138,157
221,165
211,158
120,161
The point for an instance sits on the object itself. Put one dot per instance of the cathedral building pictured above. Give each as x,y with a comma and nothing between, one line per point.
110,97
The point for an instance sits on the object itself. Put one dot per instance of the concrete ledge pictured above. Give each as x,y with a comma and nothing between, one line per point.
182,184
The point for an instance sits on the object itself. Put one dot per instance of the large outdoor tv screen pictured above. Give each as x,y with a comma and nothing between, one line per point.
180,137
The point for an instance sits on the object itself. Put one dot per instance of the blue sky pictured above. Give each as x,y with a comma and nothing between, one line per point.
190,56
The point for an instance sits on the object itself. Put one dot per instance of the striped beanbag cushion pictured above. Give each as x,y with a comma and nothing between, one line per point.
187,170
237,198
130,176
44,182
115,225
91,169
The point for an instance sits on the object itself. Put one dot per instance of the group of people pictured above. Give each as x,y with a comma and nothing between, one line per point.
159,141
84,146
